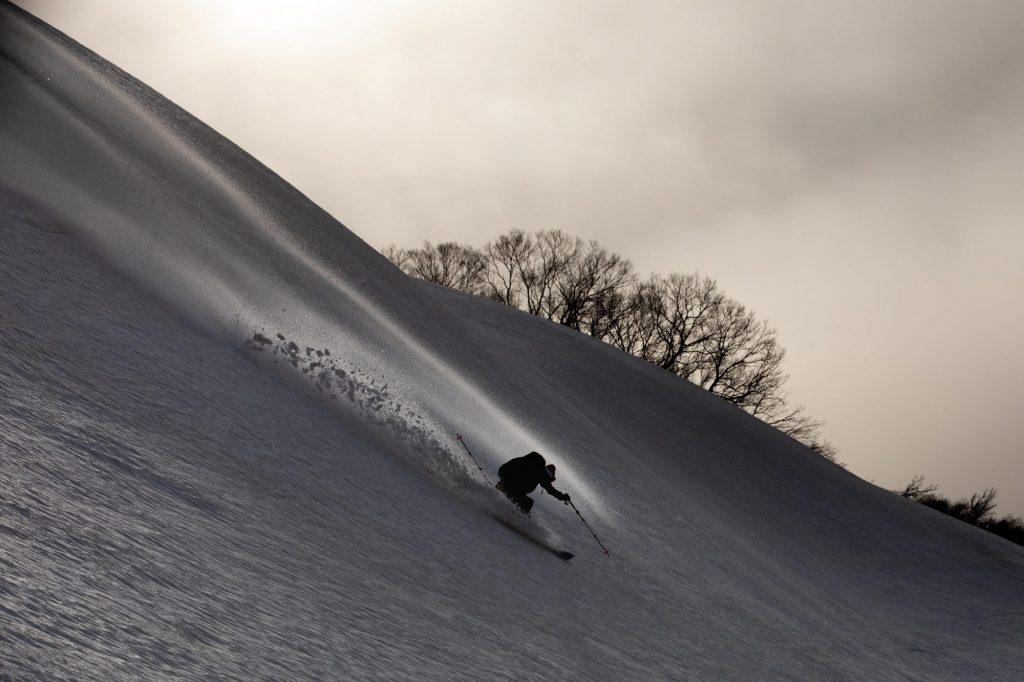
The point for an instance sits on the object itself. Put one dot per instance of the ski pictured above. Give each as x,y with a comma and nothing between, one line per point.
560,553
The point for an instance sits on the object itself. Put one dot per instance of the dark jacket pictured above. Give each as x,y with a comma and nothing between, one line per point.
523,474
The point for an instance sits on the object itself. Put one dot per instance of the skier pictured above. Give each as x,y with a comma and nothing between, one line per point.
522,475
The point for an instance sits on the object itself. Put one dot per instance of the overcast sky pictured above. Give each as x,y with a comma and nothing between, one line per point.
850,169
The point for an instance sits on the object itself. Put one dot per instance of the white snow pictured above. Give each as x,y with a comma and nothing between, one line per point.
175,503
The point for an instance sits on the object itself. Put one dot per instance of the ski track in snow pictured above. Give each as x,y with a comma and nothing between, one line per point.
407,431
176,505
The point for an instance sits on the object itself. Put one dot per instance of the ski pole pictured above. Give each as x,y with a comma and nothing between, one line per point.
588,526
473,458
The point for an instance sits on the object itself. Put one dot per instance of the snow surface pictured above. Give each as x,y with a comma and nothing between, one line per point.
184,493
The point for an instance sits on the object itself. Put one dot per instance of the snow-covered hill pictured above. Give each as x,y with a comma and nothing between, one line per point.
227,450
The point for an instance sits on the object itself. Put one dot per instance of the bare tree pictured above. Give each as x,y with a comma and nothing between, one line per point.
630,320
555,276
826,450
552,259
398,256
587,285
916,489
507,259
740,359
977,509
449,264
682,323
686,307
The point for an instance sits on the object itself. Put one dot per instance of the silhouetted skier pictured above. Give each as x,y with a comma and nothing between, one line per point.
522,475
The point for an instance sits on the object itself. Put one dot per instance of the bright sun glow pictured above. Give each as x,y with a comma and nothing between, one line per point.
305,25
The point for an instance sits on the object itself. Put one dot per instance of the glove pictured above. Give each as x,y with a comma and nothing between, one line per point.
566,499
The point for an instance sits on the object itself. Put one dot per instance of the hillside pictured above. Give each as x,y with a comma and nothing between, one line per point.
177,500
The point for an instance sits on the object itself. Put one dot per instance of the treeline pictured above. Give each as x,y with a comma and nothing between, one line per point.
682,323
976,510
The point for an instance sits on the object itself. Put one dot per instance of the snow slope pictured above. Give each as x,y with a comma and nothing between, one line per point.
185,495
